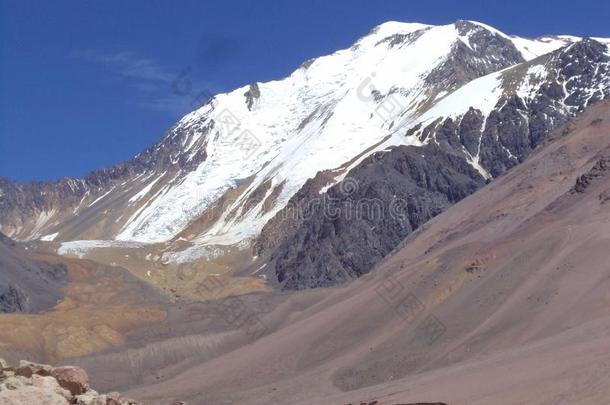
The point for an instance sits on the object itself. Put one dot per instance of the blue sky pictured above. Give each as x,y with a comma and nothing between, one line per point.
86,84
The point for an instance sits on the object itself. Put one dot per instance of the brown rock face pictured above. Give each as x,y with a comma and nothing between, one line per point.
74,379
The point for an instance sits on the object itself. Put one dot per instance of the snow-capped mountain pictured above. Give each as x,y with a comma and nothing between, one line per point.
226,169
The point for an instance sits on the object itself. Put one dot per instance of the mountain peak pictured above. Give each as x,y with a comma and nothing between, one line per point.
472,24
398,27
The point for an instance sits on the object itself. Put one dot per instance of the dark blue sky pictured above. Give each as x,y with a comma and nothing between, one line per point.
86,84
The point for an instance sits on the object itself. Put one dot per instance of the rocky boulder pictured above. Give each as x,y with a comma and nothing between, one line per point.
74,379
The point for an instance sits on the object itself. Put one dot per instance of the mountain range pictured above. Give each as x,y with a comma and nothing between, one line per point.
419,218
474,97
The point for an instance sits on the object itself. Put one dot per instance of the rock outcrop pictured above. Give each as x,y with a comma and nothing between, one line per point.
359,221
41,384
600,169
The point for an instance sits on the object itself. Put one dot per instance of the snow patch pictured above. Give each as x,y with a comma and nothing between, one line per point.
80,248
145,190
49,238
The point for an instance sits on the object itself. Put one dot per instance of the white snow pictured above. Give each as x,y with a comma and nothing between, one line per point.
146,189
80,248
271,142
534,74
100,197
192,253
532,48
49,238
482,94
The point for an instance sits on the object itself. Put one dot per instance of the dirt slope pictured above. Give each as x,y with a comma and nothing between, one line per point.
99,305
27,285
502,299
